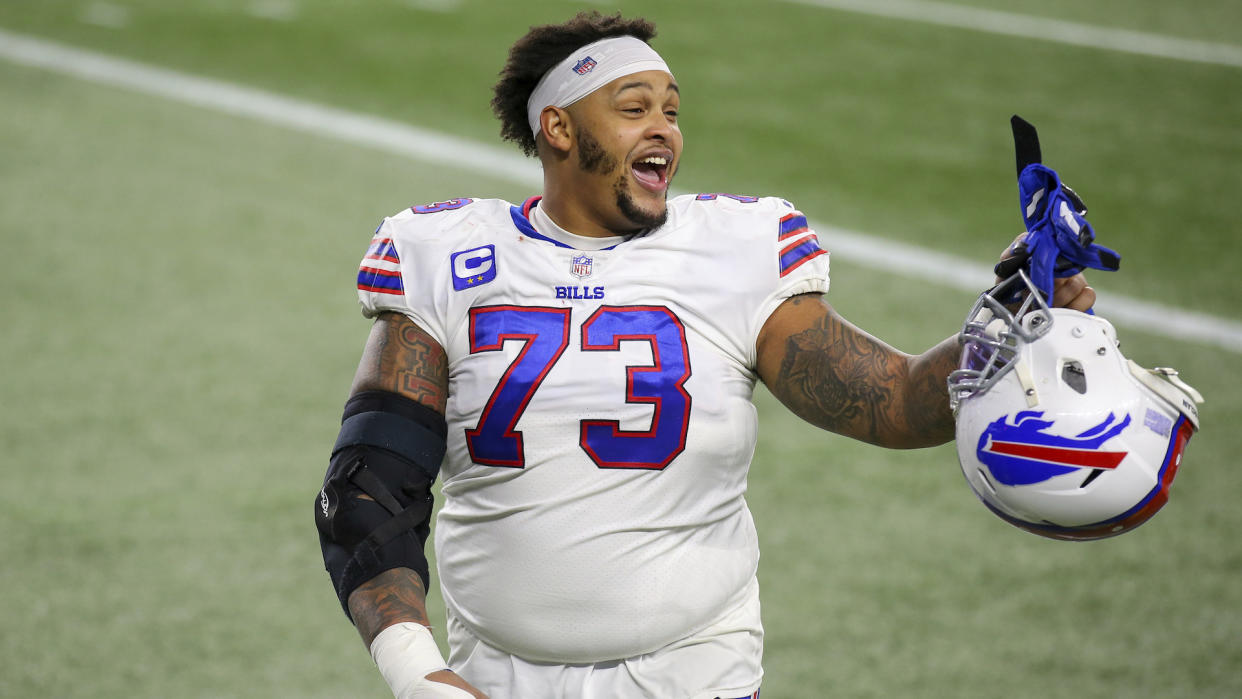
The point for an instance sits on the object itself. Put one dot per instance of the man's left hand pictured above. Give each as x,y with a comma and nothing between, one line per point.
1073,292
1068,292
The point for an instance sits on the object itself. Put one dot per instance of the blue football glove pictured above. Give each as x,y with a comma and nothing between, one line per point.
1059,241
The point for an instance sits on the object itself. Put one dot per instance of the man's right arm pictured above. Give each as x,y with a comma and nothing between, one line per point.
402,359
399,358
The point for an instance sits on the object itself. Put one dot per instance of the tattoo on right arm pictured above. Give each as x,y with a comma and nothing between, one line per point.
419,366
402,358
389,598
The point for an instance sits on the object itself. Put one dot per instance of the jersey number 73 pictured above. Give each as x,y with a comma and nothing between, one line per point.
544,334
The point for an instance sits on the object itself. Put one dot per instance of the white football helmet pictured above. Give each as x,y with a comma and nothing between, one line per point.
1057,432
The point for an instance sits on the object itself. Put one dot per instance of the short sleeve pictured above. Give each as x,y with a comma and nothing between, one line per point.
800,261
380,283
390,272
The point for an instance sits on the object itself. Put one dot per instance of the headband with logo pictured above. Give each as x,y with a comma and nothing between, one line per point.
588,69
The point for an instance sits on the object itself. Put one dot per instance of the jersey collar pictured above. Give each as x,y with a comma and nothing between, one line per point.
521,218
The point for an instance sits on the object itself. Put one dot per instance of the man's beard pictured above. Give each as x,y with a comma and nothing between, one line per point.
592,158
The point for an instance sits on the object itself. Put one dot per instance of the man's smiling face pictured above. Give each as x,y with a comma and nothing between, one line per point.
628,146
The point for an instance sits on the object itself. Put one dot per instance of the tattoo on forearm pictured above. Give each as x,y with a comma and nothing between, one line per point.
391,597
927,407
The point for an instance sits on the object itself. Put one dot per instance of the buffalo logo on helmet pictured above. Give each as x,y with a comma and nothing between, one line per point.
1024,451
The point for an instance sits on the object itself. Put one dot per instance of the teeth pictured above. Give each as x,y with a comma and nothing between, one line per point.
655,160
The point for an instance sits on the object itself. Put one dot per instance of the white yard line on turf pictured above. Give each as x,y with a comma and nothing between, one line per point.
886,256
1042,28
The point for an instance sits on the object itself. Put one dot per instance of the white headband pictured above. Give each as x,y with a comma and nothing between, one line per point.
587,70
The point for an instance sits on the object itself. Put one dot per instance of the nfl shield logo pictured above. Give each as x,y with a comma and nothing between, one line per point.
584,66
580,266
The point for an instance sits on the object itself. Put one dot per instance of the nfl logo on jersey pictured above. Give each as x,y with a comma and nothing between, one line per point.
584,66
580,266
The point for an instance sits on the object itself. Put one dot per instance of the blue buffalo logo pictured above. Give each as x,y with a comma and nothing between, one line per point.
1025,451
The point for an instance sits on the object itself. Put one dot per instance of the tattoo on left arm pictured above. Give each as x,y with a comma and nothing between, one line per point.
842,379
837,394
927,402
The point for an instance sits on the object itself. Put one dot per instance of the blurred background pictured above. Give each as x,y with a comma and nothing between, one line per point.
186,189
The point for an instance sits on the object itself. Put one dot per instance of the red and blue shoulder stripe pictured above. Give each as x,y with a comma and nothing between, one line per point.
380,271
799,244
380,281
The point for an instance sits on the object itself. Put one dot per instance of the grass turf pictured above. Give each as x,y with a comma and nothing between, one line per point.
182,329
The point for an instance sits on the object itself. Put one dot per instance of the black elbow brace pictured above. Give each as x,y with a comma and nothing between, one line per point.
389,450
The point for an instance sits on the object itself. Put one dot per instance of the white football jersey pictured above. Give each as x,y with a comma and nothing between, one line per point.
600,423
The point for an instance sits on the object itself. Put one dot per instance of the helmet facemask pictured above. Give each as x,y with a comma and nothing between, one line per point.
993,334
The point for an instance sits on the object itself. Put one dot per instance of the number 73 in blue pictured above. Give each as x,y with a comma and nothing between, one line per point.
544,334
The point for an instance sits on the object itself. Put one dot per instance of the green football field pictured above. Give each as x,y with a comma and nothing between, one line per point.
180,329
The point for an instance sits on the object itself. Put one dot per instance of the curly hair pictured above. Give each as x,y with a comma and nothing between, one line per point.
538,52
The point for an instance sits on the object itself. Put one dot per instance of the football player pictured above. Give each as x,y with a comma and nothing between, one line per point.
578,369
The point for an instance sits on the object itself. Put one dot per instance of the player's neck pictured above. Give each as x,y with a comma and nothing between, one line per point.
549,228
577,214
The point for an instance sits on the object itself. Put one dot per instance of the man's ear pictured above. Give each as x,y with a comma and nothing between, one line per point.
557,128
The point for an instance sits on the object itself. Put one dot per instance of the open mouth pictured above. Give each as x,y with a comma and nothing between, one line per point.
651,172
